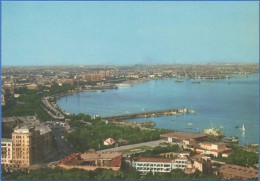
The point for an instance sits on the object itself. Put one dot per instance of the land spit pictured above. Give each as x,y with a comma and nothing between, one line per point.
168,112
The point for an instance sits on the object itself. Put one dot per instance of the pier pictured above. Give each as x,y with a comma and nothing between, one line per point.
168,112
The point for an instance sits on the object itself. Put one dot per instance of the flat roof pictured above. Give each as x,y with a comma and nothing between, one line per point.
6,140
183,135
95,155
8,119
162,160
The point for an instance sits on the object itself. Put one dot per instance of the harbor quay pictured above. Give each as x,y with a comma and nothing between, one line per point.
168,112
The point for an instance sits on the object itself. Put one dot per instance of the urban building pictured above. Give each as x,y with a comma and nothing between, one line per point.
215,149
202,163
25,146
7,152
162,165
30,143
32,87
92,160
145,165
109,141
45,140
3,97
187,139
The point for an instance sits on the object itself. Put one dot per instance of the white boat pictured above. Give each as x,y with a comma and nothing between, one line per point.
243,128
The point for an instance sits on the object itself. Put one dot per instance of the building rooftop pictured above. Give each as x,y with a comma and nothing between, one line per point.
94,155
90,159
6,140
8,119
164,160
43,128
23,129
183,135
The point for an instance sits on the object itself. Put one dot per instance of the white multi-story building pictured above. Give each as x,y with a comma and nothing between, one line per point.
163,165
7,152
145,165
180,163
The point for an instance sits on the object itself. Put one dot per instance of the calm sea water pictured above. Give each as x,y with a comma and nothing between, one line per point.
224,103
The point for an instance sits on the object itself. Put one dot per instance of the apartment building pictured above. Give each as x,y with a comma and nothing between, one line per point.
162,165
7,157
25,146
202,163
145,165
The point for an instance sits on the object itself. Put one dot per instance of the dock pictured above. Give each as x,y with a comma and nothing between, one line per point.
168,112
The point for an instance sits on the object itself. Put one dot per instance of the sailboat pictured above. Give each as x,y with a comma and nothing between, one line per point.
243,128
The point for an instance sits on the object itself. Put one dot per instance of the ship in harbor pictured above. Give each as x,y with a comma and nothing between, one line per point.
213,131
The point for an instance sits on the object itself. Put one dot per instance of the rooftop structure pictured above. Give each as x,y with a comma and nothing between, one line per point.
109,141
188,139
92,160
183,135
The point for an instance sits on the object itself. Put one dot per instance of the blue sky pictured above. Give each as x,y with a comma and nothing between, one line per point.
96,33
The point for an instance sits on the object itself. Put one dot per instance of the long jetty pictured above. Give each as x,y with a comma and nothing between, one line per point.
168,112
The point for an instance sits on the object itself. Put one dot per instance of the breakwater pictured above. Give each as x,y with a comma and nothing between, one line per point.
168,112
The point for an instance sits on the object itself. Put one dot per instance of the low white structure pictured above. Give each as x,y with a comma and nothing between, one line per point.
109,141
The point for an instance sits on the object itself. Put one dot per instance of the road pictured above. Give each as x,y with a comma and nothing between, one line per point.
150,144
64,146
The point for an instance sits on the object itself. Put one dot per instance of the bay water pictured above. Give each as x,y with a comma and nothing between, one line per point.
223,103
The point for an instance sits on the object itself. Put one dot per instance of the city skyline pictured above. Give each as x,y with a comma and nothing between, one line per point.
123,33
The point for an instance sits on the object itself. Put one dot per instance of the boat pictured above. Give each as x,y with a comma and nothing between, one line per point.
196,82
213,131
243,128
189,126
232,139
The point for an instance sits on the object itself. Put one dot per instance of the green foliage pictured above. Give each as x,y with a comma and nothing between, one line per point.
100,174
179,175
29,103
238,156
73,174
92,136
